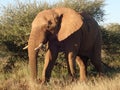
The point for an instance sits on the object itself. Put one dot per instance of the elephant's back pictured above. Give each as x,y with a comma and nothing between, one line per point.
90,33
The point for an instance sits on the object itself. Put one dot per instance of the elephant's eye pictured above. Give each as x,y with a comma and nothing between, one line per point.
57,18
49,22
48,27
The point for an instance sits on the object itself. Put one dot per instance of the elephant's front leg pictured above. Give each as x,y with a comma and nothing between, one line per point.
50,59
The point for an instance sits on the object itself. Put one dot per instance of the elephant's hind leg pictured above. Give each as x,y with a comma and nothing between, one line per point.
96,58
96,61
82,63
71,64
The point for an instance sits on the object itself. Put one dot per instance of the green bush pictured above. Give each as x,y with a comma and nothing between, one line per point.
111,47
111,40
94,8
15,25
15,22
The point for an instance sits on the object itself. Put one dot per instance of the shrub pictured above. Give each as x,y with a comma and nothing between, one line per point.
15,22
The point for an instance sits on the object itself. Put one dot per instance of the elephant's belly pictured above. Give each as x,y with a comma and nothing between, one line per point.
61,47
86,50
85,53
87,45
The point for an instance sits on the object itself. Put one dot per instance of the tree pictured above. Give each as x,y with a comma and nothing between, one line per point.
15,22
111,37
93,7
115,27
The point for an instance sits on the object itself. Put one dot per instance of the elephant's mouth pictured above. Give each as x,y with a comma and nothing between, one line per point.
47,38
36,49
39,46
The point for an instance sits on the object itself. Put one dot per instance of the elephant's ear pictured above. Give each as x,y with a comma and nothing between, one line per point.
70,23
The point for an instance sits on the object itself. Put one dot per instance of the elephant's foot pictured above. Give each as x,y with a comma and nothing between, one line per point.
83,79
71,79
41,82
101,75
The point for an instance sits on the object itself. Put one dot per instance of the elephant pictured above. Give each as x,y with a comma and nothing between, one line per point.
63,29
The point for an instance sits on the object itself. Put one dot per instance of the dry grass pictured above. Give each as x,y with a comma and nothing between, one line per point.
19,79
27,84
101,84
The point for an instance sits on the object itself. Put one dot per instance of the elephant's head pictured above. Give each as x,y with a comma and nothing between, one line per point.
45,24
59,22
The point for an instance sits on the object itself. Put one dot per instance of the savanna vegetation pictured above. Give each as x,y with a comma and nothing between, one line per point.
15,26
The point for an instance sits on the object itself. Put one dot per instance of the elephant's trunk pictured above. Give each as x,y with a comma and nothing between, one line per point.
34,44
32,60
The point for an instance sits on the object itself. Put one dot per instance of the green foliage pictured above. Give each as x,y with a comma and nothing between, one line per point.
115,27
93,7
15,22
111,46
111,39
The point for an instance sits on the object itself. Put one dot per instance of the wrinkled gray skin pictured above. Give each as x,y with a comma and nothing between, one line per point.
77,35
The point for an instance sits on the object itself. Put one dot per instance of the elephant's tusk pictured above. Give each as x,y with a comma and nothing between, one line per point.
37,48
25,47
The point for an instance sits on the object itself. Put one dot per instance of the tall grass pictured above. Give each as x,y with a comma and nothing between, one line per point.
19,79
101,84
